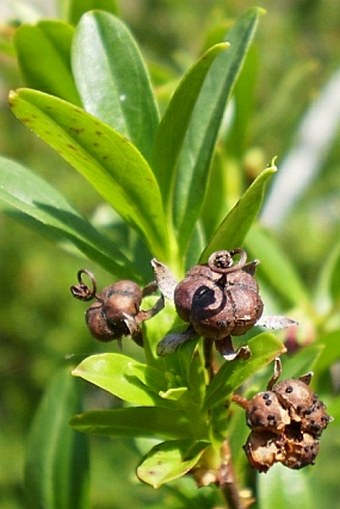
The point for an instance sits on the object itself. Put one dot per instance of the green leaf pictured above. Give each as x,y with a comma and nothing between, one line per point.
282,488
327,288
243,105
112,79
195,159
74,9
116,373
176,120
43,52
235,226
301,362
134,422
112,165
276,267
169,461
56,473
264,347
32,197
330,354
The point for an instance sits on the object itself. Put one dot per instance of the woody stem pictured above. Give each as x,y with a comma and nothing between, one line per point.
228,482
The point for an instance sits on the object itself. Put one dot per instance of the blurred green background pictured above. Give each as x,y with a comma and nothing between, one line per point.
297,54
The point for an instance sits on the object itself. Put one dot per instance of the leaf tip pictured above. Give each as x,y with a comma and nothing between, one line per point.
76,372
272,165
261,10
11,97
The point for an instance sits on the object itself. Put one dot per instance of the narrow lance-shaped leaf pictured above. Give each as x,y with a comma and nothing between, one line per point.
176,120
303,361
264,349
276,267
243,105
56,473
112,165
134,422
169,461
327,286
235,226
329,354
24,194
44,56
198,147
112,79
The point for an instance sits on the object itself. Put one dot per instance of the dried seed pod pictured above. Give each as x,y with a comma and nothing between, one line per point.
286,422
265,413
116,312
197,278
220,298
263,449
315,419
107,318
296,396
300,450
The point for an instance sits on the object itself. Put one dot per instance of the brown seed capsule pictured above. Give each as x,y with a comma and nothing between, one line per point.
296,396
197,278
106,318
300,450
116,312
263,449
286,422
220,298
265,413
315,419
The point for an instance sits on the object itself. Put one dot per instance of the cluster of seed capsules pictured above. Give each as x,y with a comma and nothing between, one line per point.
286,423
217,299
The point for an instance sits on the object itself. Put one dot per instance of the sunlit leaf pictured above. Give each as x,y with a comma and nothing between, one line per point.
112,164
243,105
112,79
116,373
235,226
264,348
24,194
176,121
199,144
56,473
170,460
43,52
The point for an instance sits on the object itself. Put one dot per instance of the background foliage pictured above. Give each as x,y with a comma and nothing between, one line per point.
295,54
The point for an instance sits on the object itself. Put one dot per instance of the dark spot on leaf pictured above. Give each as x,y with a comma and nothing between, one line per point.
99,133
77,130
26,120
105,158
71,147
